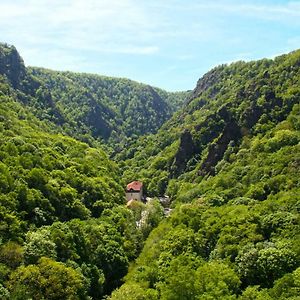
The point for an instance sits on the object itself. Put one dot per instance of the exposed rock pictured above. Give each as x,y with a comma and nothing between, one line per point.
205,82
216,151
185,152
11,65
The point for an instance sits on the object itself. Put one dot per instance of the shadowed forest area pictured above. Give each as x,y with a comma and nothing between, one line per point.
227,155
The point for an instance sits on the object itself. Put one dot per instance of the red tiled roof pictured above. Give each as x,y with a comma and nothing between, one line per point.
135,186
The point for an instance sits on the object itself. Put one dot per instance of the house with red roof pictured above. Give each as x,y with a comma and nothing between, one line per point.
134,190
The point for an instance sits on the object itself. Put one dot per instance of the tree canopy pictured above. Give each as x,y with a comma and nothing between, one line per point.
228,158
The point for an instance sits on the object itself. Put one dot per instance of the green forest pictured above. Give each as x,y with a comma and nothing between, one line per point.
227,154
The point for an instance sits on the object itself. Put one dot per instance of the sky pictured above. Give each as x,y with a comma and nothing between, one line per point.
166,43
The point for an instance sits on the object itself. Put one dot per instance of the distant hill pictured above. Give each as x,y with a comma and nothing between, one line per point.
230,104
227,154
65,232
230,161
85,105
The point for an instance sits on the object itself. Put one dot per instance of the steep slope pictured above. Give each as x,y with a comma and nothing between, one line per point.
85,106
229,104
64,230
46,176
230,161
110,107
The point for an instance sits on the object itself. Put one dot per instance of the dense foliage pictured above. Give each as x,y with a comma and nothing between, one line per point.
65,232
87,106
239,238
229,160
111,109
230,105
62,212
103,106
47,177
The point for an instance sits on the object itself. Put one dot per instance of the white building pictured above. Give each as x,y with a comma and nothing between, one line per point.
134,190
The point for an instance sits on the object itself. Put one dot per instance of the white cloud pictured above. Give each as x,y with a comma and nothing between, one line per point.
290,11
183,36
131,24
104,26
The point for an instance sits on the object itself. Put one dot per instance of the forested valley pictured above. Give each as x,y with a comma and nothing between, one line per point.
227,154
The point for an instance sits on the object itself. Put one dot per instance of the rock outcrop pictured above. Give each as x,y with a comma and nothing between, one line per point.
11,65
185,152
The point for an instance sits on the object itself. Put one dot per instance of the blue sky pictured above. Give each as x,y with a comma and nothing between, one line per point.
166,43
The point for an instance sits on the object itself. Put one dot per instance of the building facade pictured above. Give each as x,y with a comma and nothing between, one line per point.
134,190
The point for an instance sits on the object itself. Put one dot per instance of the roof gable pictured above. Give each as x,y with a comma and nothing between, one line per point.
134,186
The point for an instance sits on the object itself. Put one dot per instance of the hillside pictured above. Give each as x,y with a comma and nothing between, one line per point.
64,229
87,106
51,188
230,160
229,105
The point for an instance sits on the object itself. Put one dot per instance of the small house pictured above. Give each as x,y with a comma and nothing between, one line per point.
134,190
